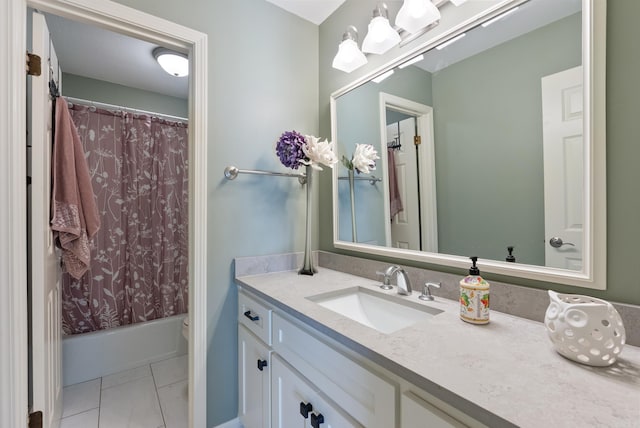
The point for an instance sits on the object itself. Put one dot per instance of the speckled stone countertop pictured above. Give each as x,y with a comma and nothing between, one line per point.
505,373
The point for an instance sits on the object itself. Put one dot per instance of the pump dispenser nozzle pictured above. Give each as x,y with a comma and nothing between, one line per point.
473,270
510,258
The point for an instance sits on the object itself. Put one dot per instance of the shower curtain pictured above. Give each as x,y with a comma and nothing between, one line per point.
138,272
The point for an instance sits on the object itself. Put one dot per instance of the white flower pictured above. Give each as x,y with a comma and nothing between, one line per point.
318,152
364,158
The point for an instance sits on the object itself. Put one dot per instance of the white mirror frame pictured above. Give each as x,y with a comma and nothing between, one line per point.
13,263
594,272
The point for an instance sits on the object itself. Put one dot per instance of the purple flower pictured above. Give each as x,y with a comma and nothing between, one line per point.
289,149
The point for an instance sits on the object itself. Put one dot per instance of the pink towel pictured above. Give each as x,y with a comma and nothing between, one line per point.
395,203
75,214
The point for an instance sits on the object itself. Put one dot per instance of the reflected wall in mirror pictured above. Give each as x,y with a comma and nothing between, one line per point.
483,146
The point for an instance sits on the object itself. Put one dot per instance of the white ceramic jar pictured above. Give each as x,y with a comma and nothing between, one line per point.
584,329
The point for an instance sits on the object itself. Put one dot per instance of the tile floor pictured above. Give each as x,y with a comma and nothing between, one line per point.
150,396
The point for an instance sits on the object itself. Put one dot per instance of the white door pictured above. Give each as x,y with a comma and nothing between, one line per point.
293,399
416,412
254,373
45,273
562,117
405,225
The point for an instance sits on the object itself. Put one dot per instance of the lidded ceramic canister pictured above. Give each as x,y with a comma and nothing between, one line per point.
474,297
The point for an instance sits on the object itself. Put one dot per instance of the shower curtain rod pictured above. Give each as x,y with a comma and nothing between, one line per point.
106,106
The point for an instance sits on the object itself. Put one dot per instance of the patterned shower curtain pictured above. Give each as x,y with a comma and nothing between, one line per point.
138,167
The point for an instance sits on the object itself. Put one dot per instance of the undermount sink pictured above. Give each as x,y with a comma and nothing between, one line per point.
382,312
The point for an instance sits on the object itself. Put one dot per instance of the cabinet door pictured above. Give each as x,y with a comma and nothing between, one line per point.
418,413
254,380
292,393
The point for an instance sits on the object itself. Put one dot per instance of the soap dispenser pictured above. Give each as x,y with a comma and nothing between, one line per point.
474,296
510,258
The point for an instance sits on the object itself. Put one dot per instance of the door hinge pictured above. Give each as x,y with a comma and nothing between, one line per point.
35,419
34,64
417,140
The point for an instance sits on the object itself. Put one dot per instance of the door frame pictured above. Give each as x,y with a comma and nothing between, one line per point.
426,163
13,173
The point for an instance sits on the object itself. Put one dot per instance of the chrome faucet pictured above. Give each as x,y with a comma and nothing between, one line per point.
402,280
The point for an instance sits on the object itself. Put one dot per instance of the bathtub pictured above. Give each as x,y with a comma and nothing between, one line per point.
92,355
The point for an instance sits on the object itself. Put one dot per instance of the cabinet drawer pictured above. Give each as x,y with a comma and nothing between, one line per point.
365,396
417,412
255,316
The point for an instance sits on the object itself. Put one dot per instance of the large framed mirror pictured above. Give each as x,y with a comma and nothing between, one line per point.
492,144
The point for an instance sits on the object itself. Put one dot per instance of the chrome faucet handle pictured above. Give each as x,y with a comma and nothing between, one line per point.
426,291
386,281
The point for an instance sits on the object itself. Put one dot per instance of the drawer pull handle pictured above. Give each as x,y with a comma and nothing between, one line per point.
251,317
262,364
305,408
316,420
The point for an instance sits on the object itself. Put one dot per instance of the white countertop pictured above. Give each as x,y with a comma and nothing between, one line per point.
508,367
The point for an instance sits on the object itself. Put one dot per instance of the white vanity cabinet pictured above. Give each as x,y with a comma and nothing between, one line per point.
306,373
254,363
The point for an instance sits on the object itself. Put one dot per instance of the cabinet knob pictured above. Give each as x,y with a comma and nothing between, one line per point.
262,364
305,409
251,317
316,420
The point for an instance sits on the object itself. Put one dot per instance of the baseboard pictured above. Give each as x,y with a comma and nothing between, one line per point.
233,423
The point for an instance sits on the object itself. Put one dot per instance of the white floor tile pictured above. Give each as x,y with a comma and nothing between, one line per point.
131,405
174,404
87,419
169,371
126,376
80,397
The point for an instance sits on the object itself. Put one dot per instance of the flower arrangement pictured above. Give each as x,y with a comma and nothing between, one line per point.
295,149
363,159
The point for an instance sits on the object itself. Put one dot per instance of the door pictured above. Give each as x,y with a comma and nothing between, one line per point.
293,398
405,225
46,349
563,153
254,375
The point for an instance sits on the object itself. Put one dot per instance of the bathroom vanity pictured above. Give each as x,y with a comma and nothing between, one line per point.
303,364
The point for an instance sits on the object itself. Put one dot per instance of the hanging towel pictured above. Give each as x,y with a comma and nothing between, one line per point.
75,214
395,203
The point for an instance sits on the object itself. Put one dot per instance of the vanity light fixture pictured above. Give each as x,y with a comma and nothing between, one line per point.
349,56
499,17
450,41
411,61
383,76
414,15
174,63
381,36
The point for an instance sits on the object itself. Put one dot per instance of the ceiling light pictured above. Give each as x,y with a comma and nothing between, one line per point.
382,76
349,56
411,61
415,15
381,36
457,2
450,41
174,63
499,17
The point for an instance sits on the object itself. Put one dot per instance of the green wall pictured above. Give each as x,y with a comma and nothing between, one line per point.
112,93
262,80
623,149
488,139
